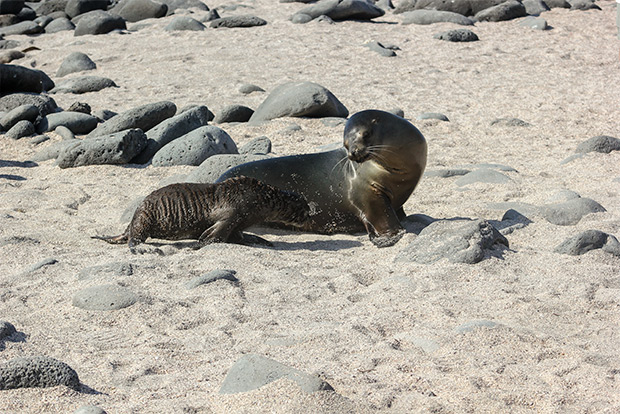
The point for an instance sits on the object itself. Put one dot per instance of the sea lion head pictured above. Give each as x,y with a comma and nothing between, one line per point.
359,134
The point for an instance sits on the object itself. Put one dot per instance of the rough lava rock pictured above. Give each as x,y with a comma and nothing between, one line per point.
602,143
459,241
118,148
136,10
37,371
299,99
589,240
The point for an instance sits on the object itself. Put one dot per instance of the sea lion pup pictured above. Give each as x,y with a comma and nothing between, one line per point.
360,186
211,212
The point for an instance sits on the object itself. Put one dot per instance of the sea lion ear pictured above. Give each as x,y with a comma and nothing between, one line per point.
374,121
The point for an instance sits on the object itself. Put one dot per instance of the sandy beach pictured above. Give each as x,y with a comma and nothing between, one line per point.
388,336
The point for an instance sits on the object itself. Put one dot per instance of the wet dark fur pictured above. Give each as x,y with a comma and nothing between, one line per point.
211,212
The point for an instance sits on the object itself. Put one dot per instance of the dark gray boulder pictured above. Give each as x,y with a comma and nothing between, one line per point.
48,7
601,143
464,7
570,212
320,8
213,167
457,35
23,112
11,55
299,99
171,129
77,122
22,28
355,10
459,241
238,21
75,62
433,16
84,84
506,11
589,240
14,78
253,371
37,371
558,4
77,7
98,22
44,103
136,10
234,113
59,25
11,6
195,147
143,117
258,146
184,23
535,7
20,130
104,298
118,148
584,5
174,5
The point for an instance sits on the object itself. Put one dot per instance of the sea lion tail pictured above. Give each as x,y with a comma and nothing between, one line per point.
120,239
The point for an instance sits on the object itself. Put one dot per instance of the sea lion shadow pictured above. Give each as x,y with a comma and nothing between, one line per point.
85,389
316,245
12,177
20,164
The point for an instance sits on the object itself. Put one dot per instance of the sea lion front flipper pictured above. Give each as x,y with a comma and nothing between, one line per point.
252,239
220,232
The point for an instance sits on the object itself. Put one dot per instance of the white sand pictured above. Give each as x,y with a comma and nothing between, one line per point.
334,305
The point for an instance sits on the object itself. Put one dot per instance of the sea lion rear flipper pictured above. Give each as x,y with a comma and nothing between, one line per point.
120,239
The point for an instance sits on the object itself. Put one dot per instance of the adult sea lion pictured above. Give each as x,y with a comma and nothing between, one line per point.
362,185
211,212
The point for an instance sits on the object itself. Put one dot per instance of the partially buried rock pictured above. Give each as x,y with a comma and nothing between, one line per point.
570,212
458,35
22,28
77,122
37,371
98,22
258,146
299,99
602,143
6,329
434,16
119,148
432,115
75,62
248,88
234,113
212,277
536,23
89,409
380,49
195,147
84,84
104,298
238,21
510,122
44,103
459,241
253,371
589,240
505,11
14,78
355,10
143,117
483,175
185,23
